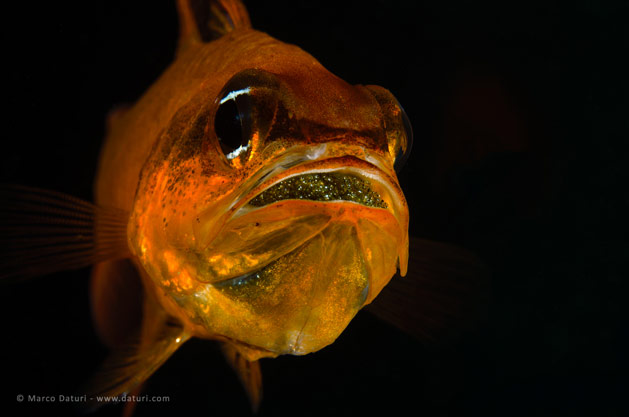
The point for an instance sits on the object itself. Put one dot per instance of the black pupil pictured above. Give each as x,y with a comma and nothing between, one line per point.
228,126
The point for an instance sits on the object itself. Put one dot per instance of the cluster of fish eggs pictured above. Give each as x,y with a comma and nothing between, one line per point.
324,186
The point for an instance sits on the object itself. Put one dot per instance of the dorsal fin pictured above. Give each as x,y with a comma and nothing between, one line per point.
205,20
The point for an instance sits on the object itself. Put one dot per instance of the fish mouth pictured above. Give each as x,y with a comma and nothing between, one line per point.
285,206
305,246
321,186
345,179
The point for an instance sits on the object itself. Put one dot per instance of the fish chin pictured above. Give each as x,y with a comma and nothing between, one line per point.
300,302
338,255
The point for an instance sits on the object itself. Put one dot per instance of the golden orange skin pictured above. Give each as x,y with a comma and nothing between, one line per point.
190,228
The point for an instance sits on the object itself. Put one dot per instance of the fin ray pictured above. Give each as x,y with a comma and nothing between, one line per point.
204,20
128,367
44,231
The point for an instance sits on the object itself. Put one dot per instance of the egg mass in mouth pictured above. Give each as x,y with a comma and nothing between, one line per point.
322,186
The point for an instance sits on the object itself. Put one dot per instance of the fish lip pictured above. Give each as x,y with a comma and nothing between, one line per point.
377,179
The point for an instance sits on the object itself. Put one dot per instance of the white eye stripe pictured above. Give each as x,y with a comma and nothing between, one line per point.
232,95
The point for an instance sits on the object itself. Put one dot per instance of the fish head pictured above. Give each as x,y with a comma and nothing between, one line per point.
269,211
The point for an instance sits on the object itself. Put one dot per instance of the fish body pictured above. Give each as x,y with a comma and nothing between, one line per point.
271,238
249,197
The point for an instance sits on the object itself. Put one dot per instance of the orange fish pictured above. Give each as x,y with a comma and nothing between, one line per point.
250,196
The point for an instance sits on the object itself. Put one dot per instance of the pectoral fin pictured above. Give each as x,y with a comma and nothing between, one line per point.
45,231
128,367
445,291
248,372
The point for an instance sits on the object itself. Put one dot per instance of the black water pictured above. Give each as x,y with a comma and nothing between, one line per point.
520,120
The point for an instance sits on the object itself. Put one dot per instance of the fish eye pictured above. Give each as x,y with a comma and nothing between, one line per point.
245,111
231,122
404,152
396,124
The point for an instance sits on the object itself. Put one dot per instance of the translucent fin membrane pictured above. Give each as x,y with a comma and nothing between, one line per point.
248,372
444,293
45,231
324,186
124,371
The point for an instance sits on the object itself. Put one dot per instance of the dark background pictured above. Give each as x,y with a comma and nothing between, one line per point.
520,117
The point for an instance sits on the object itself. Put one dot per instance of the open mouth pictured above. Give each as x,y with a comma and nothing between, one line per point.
321,186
